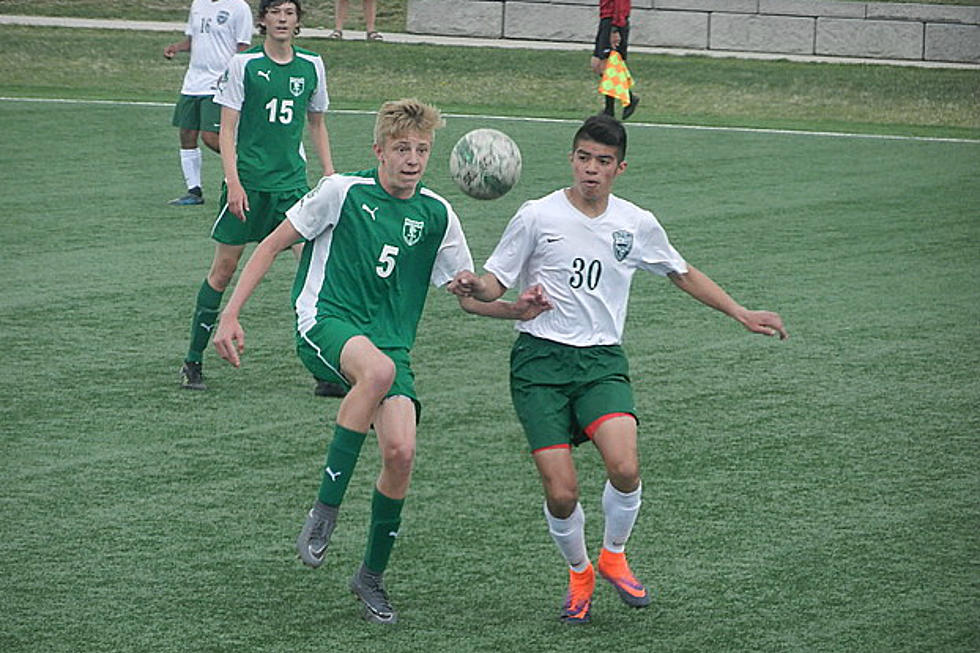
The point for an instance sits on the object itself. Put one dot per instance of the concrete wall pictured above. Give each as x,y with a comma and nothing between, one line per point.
886,30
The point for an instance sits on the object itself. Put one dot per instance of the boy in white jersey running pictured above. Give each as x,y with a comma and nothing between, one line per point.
216,30
375,239
266,95
569,376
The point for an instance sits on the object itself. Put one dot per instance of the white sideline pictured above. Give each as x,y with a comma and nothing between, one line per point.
652,125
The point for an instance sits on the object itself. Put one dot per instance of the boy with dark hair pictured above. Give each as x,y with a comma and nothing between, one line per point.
569,375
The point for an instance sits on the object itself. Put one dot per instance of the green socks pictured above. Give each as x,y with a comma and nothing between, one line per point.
341,459
385,521
342,455
205,317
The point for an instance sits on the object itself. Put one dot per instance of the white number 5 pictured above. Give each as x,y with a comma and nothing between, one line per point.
387,260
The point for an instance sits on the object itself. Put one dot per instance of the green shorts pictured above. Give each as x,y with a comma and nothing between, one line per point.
320,348
560,391
197,112
266,210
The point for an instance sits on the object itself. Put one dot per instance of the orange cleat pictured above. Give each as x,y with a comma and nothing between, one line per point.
613,567
578,601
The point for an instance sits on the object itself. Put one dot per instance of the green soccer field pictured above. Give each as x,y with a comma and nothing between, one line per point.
818,494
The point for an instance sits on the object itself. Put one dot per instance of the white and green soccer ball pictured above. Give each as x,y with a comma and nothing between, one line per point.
485,163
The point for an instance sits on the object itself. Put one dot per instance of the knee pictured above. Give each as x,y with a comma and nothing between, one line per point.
211,139
378,377
398,457
624,475
561,499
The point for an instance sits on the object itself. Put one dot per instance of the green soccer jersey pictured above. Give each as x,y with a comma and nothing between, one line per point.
371,256
273,100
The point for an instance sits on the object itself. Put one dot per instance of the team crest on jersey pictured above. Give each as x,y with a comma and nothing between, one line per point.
223,17
622,244
412,231
296,85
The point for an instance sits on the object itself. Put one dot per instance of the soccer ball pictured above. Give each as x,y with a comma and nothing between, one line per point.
485,163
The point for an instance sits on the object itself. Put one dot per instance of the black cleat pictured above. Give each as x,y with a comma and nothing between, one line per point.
329,389
191,377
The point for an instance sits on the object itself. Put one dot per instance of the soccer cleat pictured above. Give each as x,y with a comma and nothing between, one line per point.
191,377
192,198
369,588
578,601
315,537
329,389
631,107
613,567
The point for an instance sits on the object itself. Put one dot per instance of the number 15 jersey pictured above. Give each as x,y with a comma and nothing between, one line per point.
584,264
273,100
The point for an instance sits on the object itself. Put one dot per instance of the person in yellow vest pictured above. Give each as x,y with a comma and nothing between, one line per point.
609,61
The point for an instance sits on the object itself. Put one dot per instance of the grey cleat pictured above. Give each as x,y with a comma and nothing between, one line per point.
191,376
313,540
369,588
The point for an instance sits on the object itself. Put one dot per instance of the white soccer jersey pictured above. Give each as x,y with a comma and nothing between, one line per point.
215,27
584,264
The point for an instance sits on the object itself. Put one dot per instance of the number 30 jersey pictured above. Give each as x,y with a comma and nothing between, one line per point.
584,264
370,257
273,100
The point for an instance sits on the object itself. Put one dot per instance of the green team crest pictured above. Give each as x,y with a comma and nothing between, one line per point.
622,244
412,231
297,85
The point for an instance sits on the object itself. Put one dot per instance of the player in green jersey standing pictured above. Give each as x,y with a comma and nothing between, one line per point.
265,95
375,241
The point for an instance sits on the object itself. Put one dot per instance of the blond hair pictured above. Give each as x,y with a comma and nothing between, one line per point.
399,117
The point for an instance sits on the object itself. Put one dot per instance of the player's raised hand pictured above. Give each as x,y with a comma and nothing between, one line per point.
229,340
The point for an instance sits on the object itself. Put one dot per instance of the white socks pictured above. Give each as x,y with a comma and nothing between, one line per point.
621,511
569,535
190,164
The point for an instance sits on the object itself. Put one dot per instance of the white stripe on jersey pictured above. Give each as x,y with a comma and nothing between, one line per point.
313,216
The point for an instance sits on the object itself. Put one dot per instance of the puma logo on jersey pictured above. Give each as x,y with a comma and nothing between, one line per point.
332,474
371,211
265,73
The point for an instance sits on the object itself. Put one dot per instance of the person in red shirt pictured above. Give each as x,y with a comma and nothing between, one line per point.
613,15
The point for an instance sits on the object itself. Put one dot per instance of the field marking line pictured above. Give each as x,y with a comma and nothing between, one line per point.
561,121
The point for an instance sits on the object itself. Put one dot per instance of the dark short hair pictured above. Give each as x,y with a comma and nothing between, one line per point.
603,128
266,5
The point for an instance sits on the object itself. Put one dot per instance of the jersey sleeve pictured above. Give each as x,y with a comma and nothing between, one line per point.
656,254
515,247
320,208
243,33
189,28
231,85
454,253
319,100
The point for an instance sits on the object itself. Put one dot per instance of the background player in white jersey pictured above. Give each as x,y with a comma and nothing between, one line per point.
265,95
216,30
569,376
376,239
